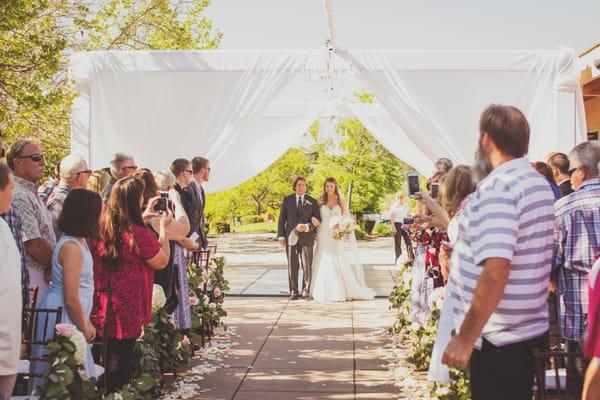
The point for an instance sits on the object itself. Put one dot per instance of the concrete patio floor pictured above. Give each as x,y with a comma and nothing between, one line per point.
304,350
257,265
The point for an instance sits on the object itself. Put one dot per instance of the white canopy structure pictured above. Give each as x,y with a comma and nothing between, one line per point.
243,109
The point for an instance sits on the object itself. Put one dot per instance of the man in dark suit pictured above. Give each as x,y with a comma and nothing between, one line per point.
296,231
559,164
201,171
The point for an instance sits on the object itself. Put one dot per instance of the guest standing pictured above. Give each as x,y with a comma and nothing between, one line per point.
591,384
98,181
559,164
10,285
201,171
26,160
504,249
577,240
74,174
398,212
72,285
545,170
124,262
183,194
122,165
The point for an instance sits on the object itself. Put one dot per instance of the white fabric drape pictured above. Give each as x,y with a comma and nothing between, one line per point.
243,109
382,126
436,97
160,106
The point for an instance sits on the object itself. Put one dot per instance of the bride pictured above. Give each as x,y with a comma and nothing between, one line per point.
334,277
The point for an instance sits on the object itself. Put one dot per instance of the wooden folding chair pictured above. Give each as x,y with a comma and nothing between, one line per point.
201,258
558,375
38,325
33,296
100,343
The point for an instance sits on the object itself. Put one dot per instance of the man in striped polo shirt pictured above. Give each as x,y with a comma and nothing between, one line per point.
501,264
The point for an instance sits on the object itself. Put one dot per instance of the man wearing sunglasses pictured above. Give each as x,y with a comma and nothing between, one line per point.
74,174
577,240
122,165
27,162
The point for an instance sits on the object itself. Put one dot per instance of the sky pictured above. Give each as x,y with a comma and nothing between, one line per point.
404,24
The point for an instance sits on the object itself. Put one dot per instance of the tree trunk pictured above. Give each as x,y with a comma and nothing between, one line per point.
349,196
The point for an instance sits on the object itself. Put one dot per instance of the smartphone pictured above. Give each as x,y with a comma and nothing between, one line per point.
162,203
408,221
435,187
413,184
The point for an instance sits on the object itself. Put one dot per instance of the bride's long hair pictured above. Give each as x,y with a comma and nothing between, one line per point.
323,198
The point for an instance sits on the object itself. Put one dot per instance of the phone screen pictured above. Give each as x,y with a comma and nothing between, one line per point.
413,184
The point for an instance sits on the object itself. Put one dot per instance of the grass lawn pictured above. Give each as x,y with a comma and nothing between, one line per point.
256,228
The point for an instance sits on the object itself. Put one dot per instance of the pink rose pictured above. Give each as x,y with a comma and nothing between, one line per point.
65,330
186,340
217,292
194,301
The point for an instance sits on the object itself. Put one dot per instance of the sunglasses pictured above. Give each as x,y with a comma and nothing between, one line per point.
188,170
572,170
87,171
130,167
33,157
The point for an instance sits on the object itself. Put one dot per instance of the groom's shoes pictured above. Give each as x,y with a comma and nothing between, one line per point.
306,295
294,297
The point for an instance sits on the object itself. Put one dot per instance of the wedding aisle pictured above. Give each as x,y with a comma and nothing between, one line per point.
257,266
304,350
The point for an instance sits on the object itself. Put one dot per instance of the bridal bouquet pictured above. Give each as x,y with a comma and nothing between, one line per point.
341,226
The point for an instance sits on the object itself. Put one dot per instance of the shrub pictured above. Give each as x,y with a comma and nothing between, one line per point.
382,230
360,234
252,219
222,227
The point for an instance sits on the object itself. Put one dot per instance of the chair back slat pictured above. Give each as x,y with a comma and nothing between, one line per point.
566,370
33,296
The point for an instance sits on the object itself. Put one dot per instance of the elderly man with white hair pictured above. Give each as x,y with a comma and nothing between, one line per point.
121,165
74,174
577,240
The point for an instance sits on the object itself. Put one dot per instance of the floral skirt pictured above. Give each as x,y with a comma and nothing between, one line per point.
182,317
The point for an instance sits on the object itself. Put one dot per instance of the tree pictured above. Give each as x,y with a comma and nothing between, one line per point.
37,36
366,172
152,24
35,92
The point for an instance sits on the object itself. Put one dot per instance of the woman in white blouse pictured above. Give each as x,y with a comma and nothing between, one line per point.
10,292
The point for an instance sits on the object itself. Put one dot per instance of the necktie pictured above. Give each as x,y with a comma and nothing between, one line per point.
299,202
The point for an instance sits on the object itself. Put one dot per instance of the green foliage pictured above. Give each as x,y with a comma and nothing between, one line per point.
382,230
252,219
37,37
61,380
422,338
360,233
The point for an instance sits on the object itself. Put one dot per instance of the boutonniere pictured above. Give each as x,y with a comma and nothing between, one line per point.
308,203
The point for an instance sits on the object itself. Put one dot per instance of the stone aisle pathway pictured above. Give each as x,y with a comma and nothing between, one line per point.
304,350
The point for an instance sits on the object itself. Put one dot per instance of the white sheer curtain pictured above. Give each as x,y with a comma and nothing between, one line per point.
436,97
383,127
159,106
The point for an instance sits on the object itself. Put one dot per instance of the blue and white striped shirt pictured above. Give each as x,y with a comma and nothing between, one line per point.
510,216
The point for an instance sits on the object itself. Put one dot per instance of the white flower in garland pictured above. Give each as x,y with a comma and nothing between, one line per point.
436,298
158,298
76,337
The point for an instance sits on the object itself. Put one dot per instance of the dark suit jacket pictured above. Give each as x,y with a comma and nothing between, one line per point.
290,216
565,188
191,207
200,201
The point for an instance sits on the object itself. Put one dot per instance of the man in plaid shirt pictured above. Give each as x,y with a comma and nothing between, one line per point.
577,240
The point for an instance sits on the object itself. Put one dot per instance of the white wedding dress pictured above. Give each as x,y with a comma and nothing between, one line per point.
334,277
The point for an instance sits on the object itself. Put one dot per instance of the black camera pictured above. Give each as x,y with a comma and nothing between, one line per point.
408,221
162,204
